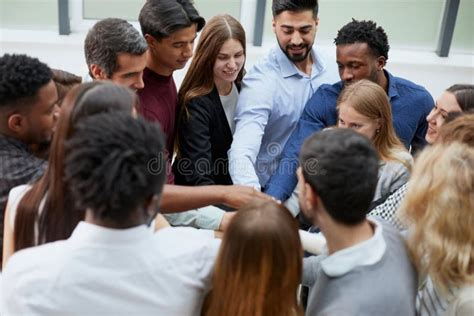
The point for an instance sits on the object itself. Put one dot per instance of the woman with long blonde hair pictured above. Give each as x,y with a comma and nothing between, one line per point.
364,107
259,265
439,210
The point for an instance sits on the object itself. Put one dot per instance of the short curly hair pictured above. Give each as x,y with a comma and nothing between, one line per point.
21,77
364,32
114,163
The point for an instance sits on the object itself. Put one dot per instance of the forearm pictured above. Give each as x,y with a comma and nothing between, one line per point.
178,198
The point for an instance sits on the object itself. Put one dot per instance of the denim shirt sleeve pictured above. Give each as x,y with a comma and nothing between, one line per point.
319,113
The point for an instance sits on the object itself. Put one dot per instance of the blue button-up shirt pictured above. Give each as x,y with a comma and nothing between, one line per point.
411,104
271,101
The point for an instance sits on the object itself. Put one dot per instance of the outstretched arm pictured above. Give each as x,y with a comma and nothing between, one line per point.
253,110
319,112
178,198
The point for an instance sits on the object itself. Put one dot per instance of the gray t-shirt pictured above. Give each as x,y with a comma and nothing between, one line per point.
386,287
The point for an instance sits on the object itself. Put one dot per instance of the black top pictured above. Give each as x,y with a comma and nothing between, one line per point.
204,139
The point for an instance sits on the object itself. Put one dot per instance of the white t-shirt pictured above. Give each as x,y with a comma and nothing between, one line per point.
102,271
229,102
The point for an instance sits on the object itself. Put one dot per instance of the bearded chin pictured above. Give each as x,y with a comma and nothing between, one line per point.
295,58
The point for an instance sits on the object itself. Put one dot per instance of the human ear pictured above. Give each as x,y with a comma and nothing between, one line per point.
97,72
273,25
306,191
150,40
17,123
152,205
381,62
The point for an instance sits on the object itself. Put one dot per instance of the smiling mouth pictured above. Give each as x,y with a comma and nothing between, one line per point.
297,50
431,130
233,72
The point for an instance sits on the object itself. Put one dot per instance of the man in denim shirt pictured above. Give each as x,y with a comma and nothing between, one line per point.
362,53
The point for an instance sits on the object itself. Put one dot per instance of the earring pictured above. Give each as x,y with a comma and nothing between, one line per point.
377,131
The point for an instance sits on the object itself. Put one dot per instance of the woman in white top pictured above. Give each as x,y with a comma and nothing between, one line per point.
207,100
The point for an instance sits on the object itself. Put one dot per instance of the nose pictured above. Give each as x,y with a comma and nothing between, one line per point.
232,63
296,39
431,116
346,74
139,84
188,50
57,111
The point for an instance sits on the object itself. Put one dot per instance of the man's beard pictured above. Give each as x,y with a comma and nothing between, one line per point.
296,58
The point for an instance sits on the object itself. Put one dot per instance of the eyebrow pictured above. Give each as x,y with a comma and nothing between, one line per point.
224,54
441,109
304,27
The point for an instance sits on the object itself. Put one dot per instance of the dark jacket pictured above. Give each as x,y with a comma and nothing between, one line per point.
204,139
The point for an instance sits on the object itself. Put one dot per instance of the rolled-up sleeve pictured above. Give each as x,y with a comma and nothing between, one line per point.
319,112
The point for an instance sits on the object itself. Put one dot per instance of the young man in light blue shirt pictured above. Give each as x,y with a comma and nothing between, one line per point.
275,91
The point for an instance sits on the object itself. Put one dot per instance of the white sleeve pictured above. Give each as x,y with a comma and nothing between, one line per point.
312,243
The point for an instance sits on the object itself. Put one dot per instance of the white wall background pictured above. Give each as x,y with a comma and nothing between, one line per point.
66,52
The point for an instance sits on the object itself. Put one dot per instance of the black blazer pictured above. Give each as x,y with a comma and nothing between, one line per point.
204,139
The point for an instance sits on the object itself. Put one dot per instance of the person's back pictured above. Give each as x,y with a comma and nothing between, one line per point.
258,269
102,271
113,263
365,269
376,289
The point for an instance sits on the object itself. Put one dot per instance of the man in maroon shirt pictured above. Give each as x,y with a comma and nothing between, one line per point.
169,28
116,51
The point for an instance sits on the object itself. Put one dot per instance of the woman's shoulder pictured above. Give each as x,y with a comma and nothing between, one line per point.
204,102
14,198
17,193
463,303
400,160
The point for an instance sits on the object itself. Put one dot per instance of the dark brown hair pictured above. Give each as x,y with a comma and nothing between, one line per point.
258,268
58,216
199,79
464,94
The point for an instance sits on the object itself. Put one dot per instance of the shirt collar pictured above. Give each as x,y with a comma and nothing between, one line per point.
366,253
392,87
87,232
288,68
10,141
